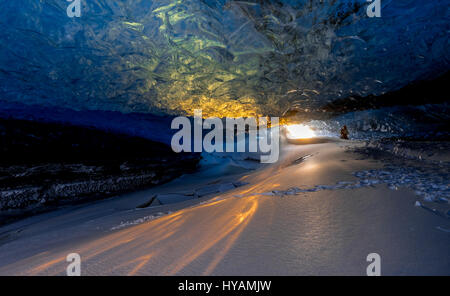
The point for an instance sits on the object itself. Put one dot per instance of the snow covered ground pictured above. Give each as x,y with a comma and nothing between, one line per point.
319,211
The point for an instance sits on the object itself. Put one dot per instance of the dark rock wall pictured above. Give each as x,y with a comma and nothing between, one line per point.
44,164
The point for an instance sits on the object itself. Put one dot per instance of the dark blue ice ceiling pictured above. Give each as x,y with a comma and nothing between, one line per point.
226,57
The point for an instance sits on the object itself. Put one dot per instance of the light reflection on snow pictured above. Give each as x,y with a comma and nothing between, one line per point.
132,248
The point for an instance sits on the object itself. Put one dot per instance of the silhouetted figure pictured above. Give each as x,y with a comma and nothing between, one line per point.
344,133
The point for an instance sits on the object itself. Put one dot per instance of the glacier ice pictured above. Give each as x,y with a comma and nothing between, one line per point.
240,57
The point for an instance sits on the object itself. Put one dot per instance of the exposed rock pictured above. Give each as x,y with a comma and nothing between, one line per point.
46,165
149,203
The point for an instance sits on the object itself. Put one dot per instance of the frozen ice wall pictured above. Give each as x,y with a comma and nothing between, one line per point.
226,57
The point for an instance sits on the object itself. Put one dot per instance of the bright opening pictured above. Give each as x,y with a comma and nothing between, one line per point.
299,131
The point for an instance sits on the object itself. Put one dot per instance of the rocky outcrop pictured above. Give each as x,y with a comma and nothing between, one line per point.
46,165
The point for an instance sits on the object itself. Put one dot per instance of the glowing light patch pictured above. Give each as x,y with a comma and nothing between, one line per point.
299,131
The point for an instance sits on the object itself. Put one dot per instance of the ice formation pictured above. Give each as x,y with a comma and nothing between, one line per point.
227,57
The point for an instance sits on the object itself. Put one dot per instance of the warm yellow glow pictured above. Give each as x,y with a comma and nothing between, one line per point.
299,131
212,107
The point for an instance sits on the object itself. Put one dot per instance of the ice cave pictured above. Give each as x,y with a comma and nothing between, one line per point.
90,89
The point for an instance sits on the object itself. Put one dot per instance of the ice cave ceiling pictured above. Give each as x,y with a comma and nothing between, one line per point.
226,57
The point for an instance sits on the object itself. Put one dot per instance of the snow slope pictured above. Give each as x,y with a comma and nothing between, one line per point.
328,225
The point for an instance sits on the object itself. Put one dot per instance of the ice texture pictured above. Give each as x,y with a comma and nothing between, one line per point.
424,121
227,57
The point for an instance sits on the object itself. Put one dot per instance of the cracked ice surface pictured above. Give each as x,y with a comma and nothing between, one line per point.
430,183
